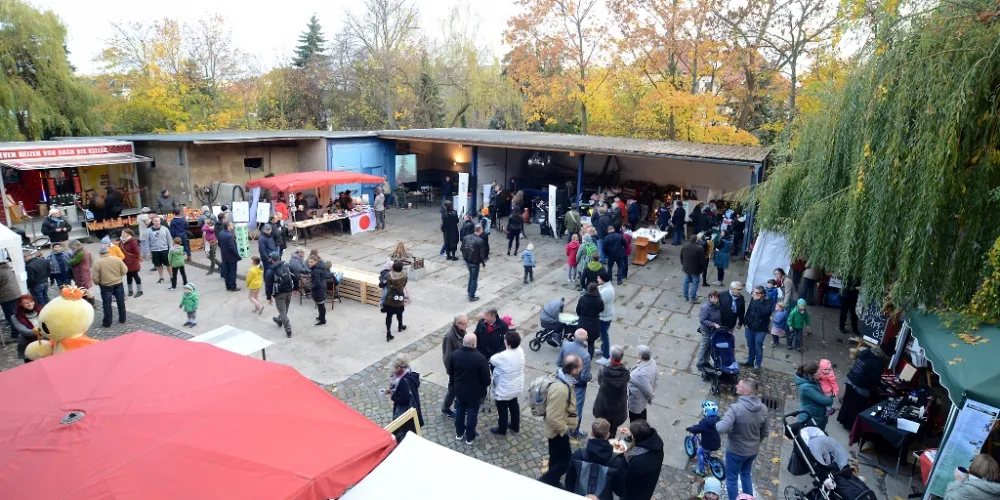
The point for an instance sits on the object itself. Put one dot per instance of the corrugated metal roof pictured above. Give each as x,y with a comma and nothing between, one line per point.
582,144
240,136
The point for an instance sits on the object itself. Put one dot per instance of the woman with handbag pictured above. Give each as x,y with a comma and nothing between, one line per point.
395,299
404,387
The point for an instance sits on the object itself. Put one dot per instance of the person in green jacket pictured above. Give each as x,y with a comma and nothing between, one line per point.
175,258
189,302
798,320
811,397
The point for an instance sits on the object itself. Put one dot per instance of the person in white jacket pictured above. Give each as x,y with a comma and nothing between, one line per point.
641,384
606,317
508,382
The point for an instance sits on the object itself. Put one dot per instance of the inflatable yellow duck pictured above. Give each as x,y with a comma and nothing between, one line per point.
63,323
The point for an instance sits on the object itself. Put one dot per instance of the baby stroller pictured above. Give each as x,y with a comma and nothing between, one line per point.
725,369
553,335
823,459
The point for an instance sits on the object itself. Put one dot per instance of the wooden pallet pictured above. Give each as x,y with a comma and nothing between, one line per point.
359,285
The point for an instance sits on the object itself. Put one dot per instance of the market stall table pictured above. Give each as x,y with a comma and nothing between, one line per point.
361,220
647,245
868,422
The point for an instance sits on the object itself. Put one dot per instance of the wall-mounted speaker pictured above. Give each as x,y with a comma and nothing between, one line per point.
254,163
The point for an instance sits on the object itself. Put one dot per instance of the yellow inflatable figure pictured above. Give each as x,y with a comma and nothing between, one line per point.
63,322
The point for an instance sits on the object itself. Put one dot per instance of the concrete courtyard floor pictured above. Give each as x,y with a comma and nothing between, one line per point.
350,357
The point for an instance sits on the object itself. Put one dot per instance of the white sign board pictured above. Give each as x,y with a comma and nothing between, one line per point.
487,192
965,441
263,212
552,208
241,211
233,339
462,205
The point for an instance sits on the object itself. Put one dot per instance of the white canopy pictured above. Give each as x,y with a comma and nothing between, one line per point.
10,242
418,470
770,253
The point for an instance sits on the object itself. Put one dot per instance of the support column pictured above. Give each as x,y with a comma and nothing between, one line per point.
579,182
474,180
751,211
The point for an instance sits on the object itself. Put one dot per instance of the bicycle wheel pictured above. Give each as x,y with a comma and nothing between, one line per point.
718,469
689,446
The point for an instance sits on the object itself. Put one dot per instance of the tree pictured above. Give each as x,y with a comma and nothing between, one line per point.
891,178
800,26
311,43
429,109
39,96
218,61
385,29
557,44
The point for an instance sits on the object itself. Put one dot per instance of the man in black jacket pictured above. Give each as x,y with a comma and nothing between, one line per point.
692,262
490,334
644,466
614,251
55,227
732,306
37,269
474,253
230,255
606,469
677,220
453,339
469,373
602,223
758,321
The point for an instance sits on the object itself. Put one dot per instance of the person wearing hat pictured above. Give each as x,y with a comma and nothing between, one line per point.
798,319
164,203
55,227
189,302
108,273
712,489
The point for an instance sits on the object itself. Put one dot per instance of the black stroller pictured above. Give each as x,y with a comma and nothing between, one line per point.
829,482
553,335
725,369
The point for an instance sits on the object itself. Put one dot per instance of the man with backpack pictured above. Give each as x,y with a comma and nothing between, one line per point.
474,253
597,470
279,282
577,349
551,397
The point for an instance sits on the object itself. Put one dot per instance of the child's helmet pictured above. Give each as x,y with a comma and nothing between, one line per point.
709,408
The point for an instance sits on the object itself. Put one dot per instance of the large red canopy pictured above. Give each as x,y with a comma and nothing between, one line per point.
308,180
165,418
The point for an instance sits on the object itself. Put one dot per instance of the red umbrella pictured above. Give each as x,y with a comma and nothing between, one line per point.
150,417
307,180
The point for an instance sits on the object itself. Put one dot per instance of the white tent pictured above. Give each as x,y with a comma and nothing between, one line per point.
10,243
769,253
417,470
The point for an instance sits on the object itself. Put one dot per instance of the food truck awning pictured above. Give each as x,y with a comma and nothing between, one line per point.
70,153
75,161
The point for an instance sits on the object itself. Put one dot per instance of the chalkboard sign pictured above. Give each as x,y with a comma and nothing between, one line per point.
873,323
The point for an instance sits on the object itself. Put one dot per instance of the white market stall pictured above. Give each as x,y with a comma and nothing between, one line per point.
10,243
414,468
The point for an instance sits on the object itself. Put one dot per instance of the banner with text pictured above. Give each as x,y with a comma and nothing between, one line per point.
462,201
552,208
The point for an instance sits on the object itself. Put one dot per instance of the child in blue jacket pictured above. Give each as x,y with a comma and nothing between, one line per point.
779,325
528,259
709,438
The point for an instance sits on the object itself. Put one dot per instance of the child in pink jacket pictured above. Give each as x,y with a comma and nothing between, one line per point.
571,249
828,381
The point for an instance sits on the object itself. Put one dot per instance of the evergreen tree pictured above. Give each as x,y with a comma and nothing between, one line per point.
39,96
311,43
430,106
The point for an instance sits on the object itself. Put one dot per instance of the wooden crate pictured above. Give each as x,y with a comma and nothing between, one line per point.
359,285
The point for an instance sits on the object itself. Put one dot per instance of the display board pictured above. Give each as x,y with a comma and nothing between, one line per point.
406,168
487,194
253,213
263,212
552,208
241,211
965,441
462,197
242,236
873,323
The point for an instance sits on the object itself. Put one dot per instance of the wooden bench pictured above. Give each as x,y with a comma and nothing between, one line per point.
359,285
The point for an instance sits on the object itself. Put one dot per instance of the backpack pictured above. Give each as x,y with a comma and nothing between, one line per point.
538,393
383,278
283,282
590,250
591,478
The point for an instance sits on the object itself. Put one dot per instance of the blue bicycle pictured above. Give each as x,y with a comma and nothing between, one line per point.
691,445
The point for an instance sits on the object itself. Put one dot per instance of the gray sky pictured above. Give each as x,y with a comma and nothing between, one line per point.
267,32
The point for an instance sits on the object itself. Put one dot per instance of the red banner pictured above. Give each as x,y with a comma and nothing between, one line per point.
68,150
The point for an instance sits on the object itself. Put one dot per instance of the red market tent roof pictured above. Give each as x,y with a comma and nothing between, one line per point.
308,180
164,418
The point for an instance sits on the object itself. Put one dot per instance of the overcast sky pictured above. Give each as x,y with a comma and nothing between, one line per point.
266,31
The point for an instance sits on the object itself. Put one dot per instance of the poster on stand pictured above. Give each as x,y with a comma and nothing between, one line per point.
241,211
873,323
971,429
552,209
462,198
263,212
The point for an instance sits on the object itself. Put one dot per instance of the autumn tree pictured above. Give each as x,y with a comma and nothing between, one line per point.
557,45
385,29
797,29
39,95
311,42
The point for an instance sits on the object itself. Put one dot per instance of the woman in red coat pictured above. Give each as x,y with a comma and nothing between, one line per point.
133,261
